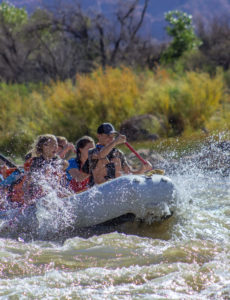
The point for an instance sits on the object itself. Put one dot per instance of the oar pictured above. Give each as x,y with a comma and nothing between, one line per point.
149,173
9,163
137,154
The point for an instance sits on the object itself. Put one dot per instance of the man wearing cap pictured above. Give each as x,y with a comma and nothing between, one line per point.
107,162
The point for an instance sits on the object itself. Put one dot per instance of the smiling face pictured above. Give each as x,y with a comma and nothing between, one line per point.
105,139
50,148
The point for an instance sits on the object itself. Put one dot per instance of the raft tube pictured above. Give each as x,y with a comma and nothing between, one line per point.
147,198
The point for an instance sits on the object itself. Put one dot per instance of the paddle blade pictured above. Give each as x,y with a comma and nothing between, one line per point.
155,171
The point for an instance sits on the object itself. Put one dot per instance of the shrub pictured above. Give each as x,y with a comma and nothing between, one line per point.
23,116
187,102
111,95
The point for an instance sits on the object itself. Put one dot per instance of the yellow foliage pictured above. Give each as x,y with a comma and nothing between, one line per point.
219,121
22,117
191,99
111,95
200,97
162,74
184,103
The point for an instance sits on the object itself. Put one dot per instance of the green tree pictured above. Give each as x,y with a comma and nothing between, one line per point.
182,31
13,52
12,16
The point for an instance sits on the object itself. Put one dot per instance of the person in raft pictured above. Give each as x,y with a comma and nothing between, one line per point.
106,161
64,147
78,169
46,169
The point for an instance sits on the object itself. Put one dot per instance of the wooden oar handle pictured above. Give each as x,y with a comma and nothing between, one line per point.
137,154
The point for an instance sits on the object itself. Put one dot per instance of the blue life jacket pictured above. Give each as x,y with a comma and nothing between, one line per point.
99,146
72,165
1,178
11,179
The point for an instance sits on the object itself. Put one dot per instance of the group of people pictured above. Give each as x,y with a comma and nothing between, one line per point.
46,165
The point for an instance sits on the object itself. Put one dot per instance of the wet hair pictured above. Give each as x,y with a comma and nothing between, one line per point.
61,140
81,143
40,141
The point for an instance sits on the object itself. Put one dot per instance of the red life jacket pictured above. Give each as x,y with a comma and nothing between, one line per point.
77,187
27,164
6,171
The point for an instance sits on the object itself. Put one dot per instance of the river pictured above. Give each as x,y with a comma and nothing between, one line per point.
184,257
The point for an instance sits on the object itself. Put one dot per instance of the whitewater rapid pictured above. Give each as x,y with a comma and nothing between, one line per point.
185,257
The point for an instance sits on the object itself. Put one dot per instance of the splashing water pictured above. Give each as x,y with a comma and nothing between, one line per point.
204,192
184,257
53,213
202,179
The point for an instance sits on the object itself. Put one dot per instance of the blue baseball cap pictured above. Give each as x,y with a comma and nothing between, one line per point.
106,128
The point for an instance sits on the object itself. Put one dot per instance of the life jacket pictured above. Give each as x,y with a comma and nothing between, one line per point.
6,171
16,192
12,178
12,184
110,166
27,164
51,171
77,187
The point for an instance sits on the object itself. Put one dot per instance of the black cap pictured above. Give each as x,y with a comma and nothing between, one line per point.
106,128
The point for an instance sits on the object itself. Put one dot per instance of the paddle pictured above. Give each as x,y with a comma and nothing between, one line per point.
149,173
155,171
137,154
8,162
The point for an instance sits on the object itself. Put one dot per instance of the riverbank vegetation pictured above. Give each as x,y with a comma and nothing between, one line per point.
185,103
65,73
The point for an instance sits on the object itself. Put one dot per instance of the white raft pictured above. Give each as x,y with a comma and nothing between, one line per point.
147,198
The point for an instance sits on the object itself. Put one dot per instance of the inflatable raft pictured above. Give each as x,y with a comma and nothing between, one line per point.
146,198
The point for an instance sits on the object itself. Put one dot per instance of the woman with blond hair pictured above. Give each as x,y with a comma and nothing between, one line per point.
46,168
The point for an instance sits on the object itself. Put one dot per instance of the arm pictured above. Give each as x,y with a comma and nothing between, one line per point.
143,168
66,149
120,139
78,175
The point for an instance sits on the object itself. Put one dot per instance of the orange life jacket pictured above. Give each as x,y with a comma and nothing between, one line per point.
16,192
